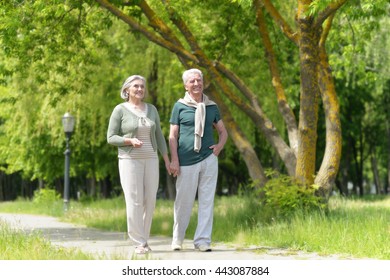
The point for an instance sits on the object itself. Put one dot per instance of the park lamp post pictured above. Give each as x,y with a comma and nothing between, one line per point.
68,125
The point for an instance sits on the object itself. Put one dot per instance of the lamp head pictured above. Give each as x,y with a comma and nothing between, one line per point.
68,123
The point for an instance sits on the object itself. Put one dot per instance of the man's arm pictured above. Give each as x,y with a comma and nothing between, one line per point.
222,138
173,142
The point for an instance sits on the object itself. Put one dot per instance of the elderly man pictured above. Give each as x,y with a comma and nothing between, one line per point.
194,159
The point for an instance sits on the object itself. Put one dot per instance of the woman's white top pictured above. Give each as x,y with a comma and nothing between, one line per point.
143,134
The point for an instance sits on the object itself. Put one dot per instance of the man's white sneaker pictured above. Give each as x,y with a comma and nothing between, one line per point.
176,247
204,248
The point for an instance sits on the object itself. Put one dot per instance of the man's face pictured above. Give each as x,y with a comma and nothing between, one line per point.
194,84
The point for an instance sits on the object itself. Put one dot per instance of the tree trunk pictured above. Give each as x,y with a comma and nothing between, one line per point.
346,169
308,115
283,106
41,183
377,180
388,158
358,159
2,175
387,101
105,187
326,176
91,185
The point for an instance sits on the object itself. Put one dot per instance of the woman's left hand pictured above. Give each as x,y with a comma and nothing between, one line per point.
168,166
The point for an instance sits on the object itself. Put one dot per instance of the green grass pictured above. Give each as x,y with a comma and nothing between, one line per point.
353,227
358,228
346,233
16,245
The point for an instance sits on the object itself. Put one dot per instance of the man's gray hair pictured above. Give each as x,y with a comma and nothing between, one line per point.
189,72
127,84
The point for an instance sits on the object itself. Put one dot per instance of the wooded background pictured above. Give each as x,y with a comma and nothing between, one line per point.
303,87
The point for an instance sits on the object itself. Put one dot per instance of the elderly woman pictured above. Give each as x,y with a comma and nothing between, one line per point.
194,155
134,128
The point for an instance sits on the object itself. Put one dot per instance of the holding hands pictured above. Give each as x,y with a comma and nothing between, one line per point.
174,168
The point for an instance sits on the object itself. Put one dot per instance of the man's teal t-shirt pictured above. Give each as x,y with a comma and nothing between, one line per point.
184,117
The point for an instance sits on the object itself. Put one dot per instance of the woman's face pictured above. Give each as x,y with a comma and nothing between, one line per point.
136,90
194,84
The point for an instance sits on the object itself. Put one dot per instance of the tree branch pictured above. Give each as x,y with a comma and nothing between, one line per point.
156,23
327,12
279,20
325,32
327,173
180,51
283,106
164,30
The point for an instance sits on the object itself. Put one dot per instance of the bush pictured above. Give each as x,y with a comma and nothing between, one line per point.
46,197
284,196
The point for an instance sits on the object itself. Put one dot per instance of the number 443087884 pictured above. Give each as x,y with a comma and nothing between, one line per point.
243,270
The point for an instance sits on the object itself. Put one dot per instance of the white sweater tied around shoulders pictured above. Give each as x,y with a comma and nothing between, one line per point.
200,116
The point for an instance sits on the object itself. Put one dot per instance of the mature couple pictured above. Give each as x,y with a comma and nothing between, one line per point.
135,129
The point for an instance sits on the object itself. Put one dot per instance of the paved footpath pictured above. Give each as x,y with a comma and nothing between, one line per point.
115,245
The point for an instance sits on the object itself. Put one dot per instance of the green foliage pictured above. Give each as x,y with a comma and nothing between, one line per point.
359,56
367,8
284,196
318,5
46,196
48,200
74,61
